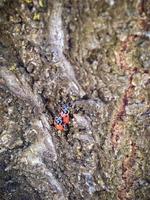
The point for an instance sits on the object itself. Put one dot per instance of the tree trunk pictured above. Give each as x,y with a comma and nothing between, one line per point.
94,56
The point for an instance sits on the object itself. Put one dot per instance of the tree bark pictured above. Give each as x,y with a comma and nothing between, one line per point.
94,56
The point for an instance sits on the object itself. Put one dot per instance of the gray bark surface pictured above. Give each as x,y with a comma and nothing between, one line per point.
94,55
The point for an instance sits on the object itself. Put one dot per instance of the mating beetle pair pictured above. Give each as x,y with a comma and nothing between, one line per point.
62,121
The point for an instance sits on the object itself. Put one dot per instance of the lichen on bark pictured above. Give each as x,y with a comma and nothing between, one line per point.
95,56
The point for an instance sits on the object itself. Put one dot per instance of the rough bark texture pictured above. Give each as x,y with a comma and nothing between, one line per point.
95,55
